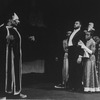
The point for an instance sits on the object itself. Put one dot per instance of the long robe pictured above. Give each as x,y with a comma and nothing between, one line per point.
11,60
91,83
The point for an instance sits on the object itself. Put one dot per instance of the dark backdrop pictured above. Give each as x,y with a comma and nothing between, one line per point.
48,21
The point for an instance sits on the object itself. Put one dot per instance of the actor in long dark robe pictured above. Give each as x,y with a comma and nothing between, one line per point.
12,57
13,62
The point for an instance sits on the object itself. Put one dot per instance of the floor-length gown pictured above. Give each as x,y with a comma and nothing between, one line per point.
90,78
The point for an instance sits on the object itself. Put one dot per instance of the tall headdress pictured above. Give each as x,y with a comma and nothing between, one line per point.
14,17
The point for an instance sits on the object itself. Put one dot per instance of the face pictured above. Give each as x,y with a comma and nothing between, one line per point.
77,24
87,35
15,22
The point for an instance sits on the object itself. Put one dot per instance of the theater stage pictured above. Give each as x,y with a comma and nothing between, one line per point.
38,87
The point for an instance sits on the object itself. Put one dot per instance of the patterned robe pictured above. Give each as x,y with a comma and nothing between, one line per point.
97,53
98,62
90,78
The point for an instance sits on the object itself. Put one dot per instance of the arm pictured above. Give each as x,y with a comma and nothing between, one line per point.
65,45
93,47
87,49
84,47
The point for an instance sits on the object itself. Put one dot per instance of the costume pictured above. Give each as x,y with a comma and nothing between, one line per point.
11,56
90,78
13,62
97,54
65,62
75,69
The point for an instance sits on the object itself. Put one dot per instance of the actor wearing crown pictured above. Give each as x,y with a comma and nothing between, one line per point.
12,56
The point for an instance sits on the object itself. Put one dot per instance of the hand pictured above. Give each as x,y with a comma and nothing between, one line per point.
81,44
32,38
10,37
68,33
79,60
85,31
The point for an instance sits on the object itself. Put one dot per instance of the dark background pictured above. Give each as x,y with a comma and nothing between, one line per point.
48,21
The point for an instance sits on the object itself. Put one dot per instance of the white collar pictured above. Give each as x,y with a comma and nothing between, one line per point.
77,29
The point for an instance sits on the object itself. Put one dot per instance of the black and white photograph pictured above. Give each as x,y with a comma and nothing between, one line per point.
49,50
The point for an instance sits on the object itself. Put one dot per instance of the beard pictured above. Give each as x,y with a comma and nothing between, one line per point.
76,27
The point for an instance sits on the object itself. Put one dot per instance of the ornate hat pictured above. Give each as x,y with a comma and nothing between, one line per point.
14,17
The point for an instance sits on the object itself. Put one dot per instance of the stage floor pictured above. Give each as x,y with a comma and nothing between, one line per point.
37,88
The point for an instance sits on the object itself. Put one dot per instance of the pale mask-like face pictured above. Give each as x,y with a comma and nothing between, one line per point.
15,19
16,22
12,22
